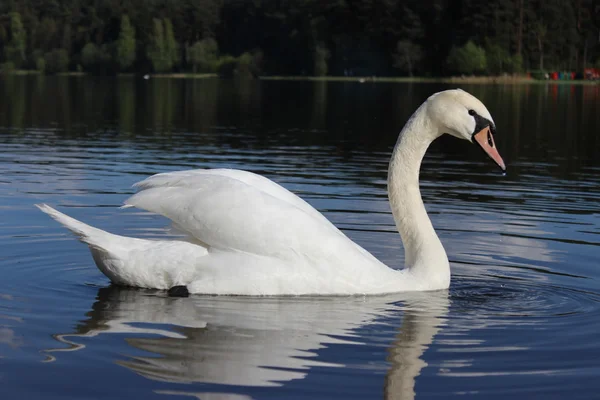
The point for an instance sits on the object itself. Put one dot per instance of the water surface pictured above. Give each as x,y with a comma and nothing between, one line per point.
521,318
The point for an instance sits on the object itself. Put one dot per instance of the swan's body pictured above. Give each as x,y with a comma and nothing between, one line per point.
247,235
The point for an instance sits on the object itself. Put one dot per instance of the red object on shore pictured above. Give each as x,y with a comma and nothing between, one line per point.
591,73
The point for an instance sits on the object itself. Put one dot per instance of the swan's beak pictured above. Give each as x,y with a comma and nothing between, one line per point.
485,140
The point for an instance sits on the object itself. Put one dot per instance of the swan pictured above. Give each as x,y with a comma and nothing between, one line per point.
247,235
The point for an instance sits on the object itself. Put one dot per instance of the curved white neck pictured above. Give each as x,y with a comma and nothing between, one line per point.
425,256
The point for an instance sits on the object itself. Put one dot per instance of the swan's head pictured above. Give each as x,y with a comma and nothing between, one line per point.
462,115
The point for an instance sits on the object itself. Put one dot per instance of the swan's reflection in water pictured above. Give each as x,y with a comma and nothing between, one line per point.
259,341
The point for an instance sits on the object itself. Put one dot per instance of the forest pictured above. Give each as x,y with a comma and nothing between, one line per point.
300,37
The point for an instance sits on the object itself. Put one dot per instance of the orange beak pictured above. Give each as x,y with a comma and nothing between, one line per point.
485,140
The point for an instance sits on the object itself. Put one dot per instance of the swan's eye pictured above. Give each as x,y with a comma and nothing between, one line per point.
472,112
490,140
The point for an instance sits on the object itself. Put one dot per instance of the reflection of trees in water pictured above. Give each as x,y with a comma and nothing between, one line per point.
249,98
92,105
162,104
63,102
180,105
14,101
536,123
38,90
126,102
319,110
200,105
257,341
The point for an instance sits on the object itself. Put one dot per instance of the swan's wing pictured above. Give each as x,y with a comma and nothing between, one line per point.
198,177
238,210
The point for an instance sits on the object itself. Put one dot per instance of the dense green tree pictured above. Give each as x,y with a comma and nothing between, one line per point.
467,59
227,66
3,36
171,46
95,58
46,35
321,57
163,49
539,32
40,64
66,38
156,52
407,56
56,61
38,60
498,60
360,37
15,51
203,55
126,44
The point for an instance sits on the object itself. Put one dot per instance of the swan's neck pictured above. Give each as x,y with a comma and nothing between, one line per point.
425,256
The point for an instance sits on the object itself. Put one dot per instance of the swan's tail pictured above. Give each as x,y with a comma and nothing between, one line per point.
87,234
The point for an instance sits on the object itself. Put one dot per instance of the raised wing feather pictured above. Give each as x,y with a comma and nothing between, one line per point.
239,210
198,177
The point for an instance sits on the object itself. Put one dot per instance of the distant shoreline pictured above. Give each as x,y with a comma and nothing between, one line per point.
502,79
454,79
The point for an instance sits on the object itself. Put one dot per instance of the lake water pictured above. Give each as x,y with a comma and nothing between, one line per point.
521,318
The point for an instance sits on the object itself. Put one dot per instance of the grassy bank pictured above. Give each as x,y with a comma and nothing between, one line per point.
503,79
120,75
183,76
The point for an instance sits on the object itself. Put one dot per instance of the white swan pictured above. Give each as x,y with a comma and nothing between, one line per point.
249,236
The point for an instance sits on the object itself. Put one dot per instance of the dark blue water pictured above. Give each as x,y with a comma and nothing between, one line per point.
521,318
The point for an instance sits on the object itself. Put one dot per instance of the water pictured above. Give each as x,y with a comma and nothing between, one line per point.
521,318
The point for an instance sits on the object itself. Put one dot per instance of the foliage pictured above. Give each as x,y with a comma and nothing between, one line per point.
497,58
321,57
500,61
467,59
89,54
249,64
56,61
244,65
162,50
95,58
355,37
407,56
66,38
15,51
125,48
156,51
538,74
40,64
7,66
34,60
517,63
227,66
203,55
171,46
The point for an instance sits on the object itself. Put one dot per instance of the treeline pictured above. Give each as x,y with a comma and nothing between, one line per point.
301,37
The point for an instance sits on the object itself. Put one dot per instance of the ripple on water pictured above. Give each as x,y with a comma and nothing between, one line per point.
519,328
509,297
